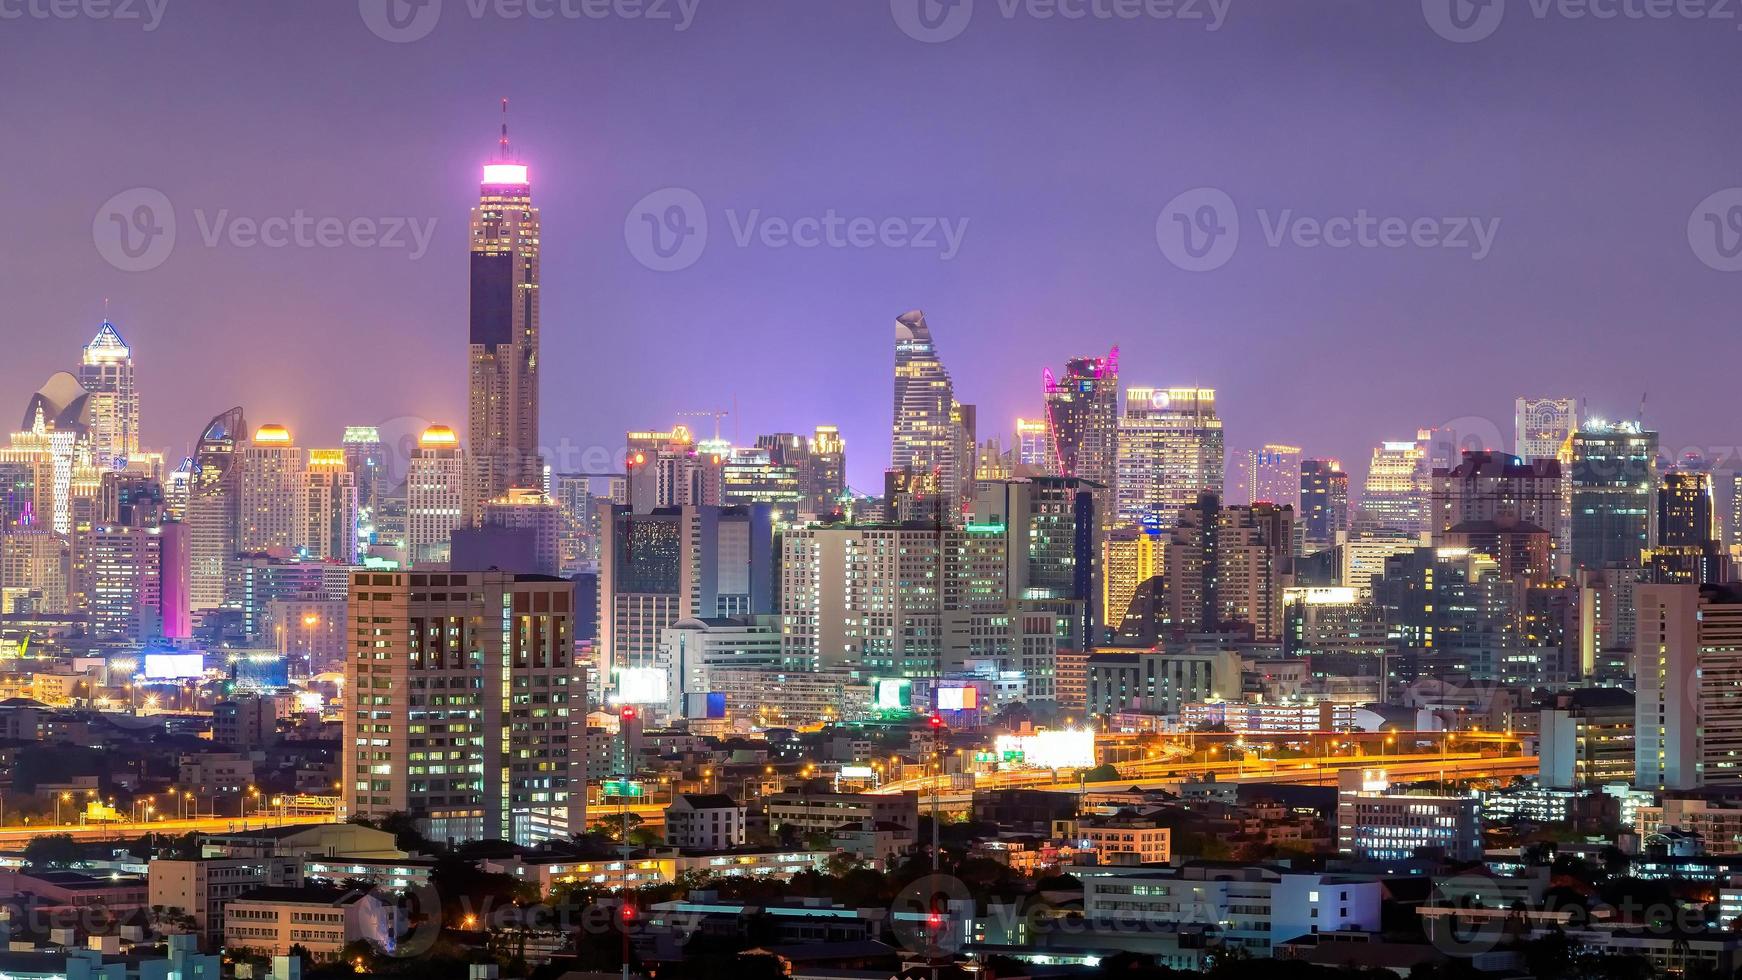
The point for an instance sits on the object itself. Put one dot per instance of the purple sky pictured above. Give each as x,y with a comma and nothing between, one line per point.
1059,141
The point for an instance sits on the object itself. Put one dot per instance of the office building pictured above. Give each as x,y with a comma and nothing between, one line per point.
533,515
1051,530
271,489
1130,557
468,707
1324,503
1377,824
678,563
1272,475
327,512
112,409
1491,488
1171,449
1544,427
1227,568
1585,739
435,497
1082,417
1399,482
1688,547
1688,656
1614,487
1155,683
214,514
503,371
1034,451
933,432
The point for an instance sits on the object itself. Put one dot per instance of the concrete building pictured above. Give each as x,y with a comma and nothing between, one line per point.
202,887
1614,487
1505,490
1688,721
323,921
1159,683
468,706
1585,739
271,488
1228,567
436,497
1376,824
933,432
704,822
1396,493
1171,450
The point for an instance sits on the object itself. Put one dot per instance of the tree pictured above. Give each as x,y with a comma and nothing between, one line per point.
53,851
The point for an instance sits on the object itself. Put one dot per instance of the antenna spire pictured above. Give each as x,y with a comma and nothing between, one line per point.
504,143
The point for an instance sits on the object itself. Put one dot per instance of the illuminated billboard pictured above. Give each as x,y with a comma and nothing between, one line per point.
1068,749
892,693
174,666
958,699
643,685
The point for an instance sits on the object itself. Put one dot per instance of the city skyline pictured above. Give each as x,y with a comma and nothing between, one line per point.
208,308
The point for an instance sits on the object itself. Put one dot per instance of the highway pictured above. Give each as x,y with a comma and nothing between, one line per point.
129,830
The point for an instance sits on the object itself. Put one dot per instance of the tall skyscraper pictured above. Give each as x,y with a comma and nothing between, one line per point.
1688,549
327,514
214,514
1493,488
106,371
931,434
1034,450
503,379
1082,417
1544,427
271,492
1171,450
468,708
1324,502
1399,484
1273,475
1614,486
366,458
1227,568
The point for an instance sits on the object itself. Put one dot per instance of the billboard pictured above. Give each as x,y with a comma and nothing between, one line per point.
642,685
174,666
892,693
1068,749
958,699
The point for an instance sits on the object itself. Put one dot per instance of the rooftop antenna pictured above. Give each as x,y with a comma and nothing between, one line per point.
504,143
1641,419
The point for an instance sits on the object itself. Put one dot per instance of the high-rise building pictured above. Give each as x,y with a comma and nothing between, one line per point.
214,515
327,509
1688,720
534,513
1272,475
1082,417
435,497
1399,483
1493,488
1228,567
1171,450
503,377
1324,502
827,483
36,564
1053,528
678,563
1688,549
670,469
467,706
123,573
1614,486
271,492
932,431
1130,557
1034,447
112,410
1544,428
54,442
366,458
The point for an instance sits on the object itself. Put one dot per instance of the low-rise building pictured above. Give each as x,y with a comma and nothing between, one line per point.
1376,824
322,921
707,822
201,887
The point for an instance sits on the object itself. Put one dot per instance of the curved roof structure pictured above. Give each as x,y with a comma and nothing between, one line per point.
59,404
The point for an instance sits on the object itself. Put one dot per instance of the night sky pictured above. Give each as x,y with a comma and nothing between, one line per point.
1059,142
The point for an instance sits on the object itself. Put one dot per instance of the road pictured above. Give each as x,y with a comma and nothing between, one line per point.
1321,771
127,830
